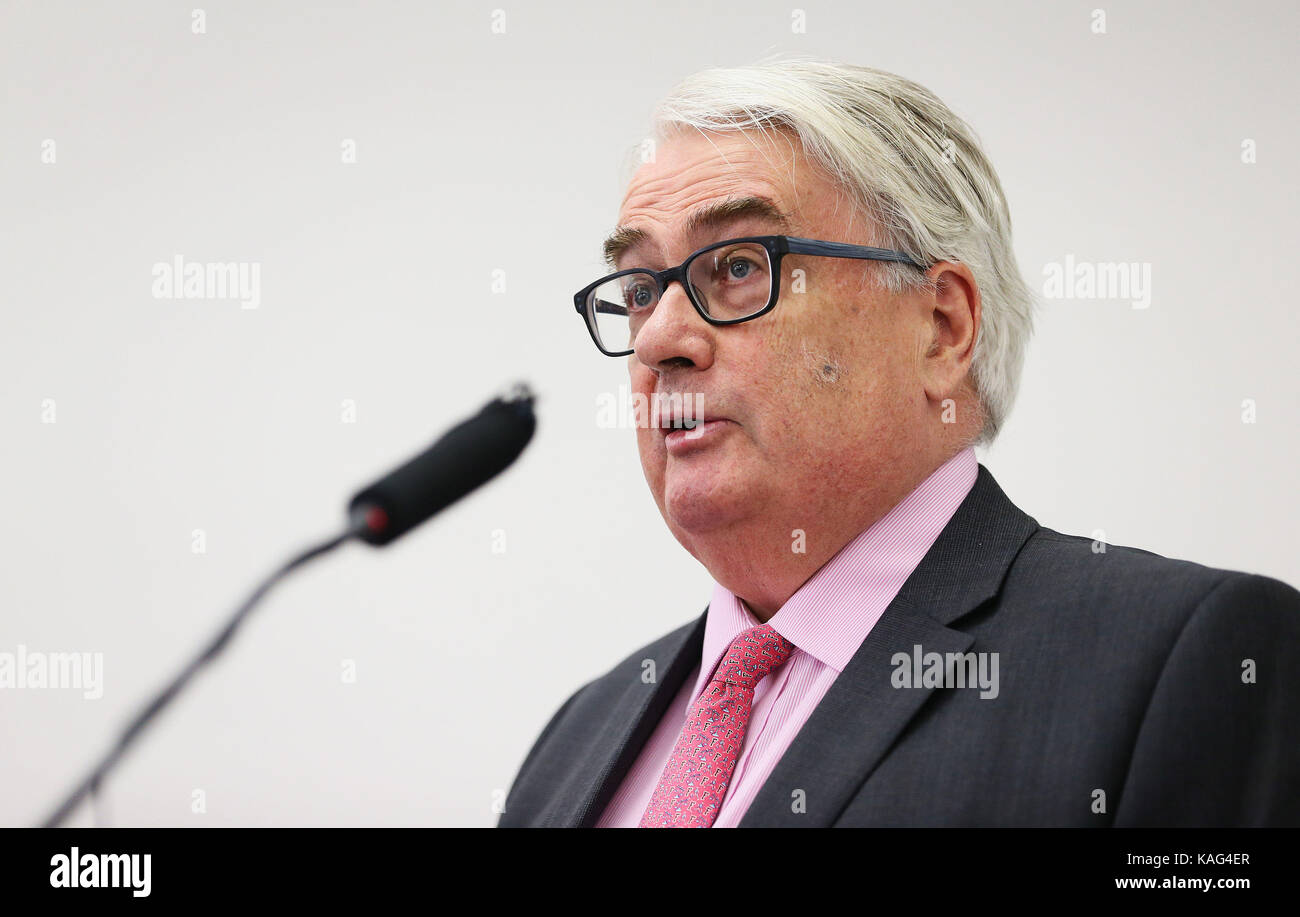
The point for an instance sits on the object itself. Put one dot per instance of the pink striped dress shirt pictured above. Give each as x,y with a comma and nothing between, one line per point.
826,619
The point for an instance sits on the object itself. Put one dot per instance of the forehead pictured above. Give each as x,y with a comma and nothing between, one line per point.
692,170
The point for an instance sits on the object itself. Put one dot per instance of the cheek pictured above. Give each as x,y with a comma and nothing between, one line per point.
837,393
649,444
816,374
642,384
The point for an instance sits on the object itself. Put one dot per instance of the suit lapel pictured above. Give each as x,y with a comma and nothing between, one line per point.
633,716
862,714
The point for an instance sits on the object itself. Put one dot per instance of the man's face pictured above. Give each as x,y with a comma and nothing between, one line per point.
810,402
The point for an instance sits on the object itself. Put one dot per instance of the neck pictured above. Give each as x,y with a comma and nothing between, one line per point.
764,560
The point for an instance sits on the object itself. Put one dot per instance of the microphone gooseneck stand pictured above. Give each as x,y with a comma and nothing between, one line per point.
173,688
464,458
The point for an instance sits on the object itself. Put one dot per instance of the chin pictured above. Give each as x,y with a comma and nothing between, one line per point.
696,506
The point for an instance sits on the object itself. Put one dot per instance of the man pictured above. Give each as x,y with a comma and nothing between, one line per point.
890,641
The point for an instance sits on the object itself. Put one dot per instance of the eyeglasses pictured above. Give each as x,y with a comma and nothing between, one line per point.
729,282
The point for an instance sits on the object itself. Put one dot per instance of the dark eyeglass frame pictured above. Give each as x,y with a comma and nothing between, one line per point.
777,247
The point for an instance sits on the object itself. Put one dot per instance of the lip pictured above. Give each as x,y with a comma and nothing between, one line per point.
706,434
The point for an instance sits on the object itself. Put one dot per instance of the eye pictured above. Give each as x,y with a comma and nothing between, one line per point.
738,264
639,296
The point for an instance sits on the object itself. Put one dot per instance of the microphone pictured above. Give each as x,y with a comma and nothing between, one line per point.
467,456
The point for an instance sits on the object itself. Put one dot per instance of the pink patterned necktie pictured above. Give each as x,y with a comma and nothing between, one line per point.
694,782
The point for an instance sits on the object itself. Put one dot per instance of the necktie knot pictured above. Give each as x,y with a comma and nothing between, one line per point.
752,655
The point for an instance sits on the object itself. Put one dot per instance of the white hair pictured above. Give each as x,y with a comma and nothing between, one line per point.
909,164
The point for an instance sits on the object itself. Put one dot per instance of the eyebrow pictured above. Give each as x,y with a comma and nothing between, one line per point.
710,216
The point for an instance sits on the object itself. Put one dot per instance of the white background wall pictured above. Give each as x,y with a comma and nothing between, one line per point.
479,151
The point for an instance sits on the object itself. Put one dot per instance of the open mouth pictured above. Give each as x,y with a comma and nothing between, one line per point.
686,424
678,412
683,423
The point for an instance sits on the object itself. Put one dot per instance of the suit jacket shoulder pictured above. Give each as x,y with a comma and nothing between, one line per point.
576,763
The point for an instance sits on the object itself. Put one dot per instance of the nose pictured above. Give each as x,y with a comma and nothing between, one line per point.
674,334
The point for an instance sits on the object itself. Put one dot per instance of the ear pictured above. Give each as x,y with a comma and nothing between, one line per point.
951,312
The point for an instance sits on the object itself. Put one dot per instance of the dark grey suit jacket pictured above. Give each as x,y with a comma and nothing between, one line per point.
1134,690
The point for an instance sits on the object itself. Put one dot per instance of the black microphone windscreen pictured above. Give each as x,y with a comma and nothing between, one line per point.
467,456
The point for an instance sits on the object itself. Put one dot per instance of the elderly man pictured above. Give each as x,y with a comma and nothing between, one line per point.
815,273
